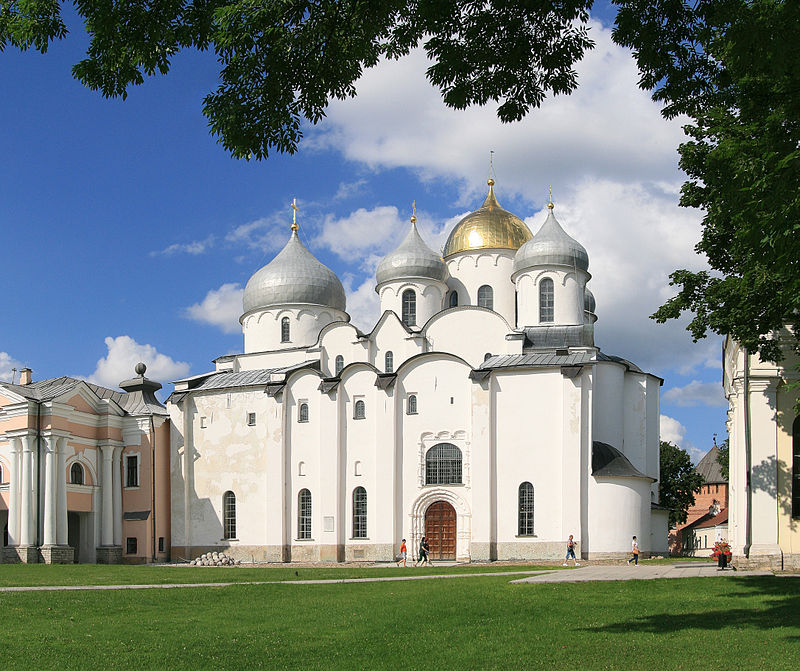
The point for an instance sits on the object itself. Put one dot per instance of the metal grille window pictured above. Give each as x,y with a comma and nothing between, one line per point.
454,299
412,404
304,514
76,474
486,297
285,329
796,467
251,419
546,300
132,471
388,362
359,512
443,465
339,364
229,514
131,545
302,415
360,410
525,509
409,307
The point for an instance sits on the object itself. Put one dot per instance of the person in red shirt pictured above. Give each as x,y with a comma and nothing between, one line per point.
403,553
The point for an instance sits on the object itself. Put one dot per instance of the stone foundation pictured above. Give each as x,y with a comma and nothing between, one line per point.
56,554
109,554
772,562
21,554
247,554
532,550
379,552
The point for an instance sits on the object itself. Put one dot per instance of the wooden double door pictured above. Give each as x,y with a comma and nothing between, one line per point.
440,528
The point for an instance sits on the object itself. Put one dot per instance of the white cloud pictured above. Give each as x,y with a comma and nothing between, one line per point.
349,189
124,353
267,234
696,393
221,307
193,248
672,431
362,232
363,304
7,363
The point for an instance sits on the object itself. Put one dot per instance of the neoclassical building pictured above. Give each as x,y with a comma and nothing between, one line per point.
477,411
77,482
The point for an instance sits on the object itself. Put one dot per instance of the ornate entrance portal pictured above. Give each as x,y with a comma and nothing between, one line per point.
440,528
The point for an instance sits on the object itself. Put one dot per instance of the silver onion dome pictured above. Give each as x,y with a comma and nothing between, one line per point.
413,258
294,276
589,304
551,246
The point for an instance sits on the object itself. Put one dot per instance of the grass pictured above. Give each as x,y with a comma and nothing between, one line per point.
478,623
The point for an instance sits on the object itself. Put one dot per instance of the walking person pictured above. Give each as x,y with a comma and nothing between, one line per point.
403,553
424,550
635,551
570,551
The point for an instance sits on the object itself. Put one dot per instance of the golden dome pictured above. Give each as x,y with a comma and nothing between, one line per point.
490,227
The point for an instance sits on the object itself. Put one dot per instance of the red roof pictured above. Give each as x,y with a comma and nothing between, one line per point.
716,520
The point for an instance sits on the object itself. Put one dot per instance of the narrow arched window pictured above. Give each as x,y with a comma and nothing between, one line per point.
443,465
359,512
302,413
339,365
75,474
285,329
546,300
486,297
409,307
796,468
360,410
304,514
454,299
525,527
388,362
229,515
412,404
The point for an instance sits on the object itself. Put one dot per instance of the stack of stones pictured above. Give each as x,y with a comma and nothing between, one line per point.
215,559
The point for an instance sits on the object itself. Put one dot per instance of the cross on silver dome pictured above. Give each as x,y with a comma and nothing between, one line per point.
413,258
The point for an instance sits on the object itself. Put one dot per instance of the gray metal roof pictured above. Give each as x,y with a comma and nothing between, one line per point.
609,462
551,246
294,276
709,467
245,378
618,359
538,337
47,390
589,303
413,258
537,360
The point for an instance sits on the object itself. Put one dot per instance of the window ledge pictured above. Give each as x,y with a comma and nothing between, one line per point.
304,540
228,540
132,488
450,484
526,536
363,538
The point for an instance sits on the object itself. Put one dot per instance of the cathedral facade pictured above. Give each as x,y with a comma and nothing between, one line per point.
477,412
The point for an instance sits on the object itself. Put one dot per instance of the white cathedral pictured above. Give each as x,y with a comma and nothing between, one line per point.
477,412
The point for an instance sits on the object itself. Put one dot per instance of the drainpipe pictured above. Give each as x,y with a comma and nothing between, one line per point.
748,455
153,485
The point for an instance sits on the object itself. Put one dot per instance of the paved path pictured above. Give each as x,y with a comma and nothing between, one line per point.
581,574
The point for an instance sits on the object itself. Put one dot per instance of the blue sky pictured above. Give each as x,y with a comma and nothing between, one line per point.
128,233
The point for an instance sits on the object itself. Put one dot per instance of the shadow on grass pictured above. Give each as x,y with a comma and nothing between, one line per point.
776,603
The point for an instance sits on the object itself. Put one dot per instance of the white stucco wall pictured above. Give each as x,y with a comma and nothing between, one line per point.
471,270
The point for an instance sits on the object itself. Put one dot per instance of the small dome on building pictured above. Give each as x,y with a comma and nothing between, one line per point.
413,258
294,276
490,227
589,303
551,246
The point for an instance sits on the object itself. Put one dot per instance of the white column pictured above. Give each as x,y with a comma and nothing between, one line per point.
50,489
61,484
117,498
107,528
26,517
13,494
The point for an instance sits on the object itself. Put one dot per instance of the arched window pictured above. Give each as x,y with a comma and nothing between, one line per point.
454,299
525,527
796,467
302,413
409,307
229,515
285,329
443,465
546,300
304,514
412,404
339,365
388,362
76,474
487,356
360,410
486,297
359,512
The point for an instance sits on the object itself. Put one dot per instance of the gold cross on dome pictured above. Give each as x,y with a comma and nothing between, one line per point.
294,214
413,211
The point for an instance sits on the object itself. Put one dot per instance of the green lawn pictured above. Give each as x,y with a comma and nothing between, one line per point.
475,623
